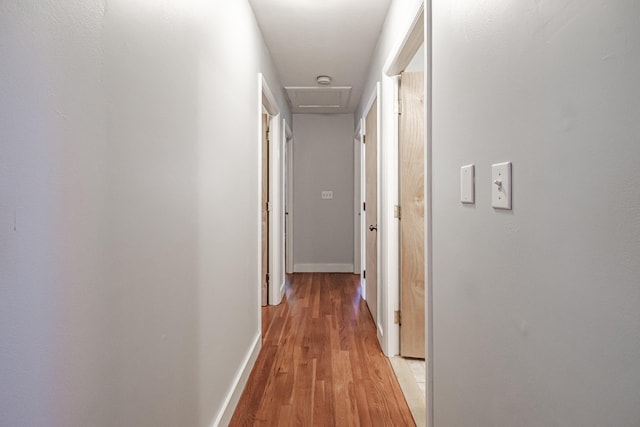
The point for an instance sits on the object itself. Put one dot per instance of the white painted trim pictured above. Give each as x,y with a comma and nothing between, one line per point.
428,215
288,133
357,203
323,268
403,53
282,286
358,199
363,230
259,197
289,199
389,227
276,232
380,321
358,132
398,60
276,197
276,254
268,100
374,95
239,382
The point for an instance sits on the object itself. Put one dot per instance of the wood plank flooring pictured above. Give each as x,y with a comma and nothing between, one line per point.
320,362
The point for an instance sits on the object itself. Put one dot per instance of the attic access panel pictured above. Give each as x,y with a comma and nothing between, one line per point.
319,99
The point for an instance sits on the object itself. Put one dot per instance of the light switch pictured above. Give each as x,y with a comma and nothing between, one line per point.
467,187
501,185
327,195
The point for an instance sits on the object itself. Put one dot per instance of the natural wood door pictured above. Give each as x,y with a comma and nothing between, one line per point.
412,343
265,210
371,209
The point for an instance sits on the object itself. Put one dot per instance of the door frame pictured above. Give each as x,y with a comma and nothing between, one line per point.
358,199
375,96
398,59
417,33
276,214
264,210
363,245
288,207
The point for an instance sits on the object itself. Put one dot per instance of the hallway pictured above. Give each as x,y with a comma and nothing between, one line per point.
320,362
132,240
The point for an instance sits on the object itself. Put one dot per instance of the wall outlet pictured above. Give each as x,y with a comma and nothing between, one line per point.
327,195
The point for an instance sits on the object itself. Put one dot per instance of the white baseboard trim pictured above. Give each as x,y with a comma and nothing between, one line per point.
239,381
282,290
323,268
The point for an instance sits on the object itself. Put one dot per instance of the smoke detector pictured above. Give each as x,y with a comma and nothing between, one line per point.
323,80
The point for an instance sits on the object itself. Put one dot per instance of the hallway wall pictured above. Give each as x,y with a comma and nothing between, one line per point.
128,209
323,160
536,316
399,18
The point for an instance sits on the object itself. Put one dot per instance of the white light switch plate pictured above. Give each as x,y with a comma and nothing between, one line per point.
467,187
327,195
501,185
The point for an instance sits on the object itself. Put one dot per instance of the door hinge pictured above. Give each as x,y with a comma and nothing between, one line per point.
364,274
268,277
397,106
364,139
364,206
397,212
397,318
268,206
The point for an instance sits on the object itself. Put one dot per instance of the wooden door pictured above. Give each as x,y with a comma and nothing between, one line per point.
411,145
265,210
371,209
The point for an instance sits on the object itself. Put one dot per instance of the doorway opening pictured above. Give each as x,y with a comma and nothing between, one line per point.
265,207
370,133
288,191
406,167
271,222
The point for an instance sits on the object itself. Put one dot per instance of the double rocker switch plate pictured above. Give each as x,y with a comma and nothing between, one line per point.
500,185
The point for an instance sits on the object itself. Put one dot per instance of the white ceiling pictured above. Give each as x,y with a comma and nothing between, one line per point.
308,38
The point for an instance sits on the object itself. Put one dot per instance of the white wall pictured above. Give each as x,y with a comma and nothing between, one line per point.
536,319
398,22
323,160
399,18
124,252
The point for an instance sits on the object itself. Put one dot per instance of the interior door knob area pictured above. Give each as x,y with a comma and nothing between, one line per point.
373,227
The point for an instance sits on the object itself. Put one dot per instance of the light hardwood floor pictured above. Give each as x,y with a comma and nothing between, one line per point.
320,362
